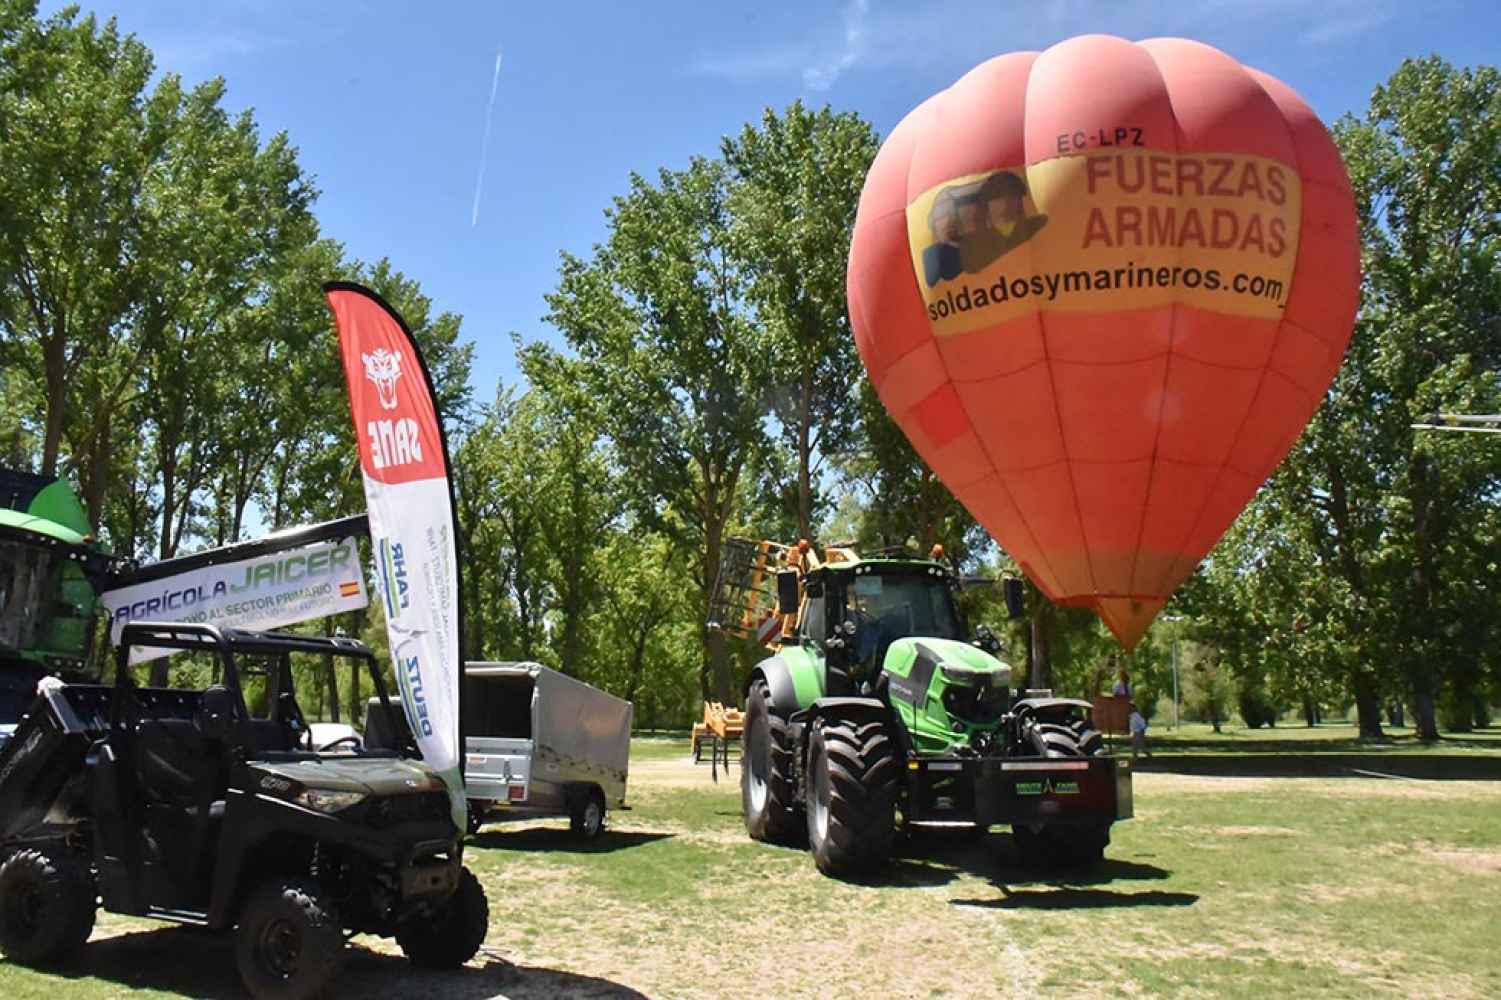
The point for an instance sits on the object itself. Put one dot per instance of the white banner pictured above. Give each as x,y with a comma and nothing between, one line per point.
267,591
405,467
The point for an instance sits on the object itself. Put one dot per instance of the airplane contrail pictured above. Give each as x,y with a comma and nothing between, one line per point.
484,149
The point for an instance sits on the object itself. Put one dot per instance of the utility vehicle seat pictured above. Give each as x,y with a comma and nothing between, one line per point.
385,730
176,762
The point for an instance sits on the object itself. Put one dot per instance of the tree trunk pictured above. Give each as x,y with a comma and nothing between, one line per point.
1042,659
331,675
1426,722
356,699
1368,706
716,659
805,456
55,360
638,664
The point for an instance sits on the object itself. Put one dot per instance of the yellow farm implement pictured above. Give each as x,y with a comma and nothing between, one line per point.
722,728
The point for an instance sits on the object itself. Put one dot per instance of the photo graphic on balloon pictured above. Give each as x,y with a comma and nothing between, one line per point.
973,225
1105,316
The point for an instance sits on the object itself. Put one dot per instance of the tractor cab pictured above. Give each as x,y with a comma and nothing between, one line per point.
50,571
854,611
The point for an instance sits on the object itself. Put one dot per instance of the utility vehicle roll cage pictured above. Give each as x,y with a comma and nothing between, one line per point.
228,643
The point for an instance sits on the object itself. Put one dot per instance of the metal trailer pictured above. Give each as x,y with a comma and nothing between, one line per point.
541,743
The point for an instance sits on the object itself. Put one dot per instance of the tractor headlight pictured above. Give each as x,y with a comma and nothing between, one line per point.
326,801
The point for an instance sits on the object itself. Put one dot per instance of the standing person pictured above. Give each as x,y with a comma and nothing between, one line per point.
1138,724
1123,685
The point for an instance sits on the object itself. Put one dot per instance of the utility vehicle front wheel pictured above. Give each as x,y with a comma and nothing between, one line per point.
766,789
449,937
476,818
289,945
47,902
852,785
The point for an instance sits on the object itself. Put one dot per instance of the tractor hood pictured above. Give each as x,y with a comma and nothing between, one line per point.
372,776
945,691
959,662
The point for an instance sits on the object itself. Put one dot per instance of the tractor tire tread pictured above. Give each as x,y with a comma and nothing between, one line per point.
781,822
863,771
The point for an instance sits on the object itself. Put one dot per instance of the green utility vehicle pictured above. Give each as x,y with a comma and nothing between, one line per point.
212,808
878,712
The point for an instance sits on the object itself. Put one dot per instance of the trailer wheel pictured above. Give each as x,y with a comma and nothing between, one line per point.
766,789
587,819
47,901
449,937
289,945
852,784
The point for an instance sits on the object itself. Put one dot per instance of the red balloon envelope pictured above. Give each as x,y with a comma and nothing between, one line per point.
1102,289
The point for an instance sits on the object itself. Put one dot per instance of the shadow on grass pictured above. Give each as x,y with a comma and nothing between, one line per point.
934,858
1068,898
179,961
538,838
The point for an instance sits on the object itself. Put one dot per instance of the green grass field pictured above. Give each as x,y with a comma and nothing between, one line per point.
1221,887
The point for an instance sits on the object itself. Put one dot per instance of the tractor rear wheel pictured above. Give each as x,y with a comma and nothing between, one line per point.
766,789
853,772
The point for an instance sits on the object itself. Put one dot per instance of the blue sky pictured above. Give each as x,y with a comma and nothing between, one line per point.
387,100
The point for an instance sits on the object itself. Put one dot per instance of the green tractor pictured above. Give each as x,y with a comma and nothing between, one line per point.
878,713
51,571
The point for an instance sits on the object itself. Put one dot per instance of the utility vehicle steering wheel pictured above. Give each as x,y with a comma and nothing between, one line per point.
351,739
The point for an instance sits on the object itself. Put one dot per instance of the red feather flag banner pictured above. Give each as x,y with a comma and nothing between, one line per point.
1102,289
404,460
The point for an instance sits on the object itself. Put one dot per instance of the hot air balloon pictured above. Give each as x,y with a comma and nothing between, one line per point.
1102,289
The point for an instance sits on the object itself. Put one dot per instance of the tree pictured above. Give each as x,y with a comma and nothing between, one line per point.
658,318
1208,684
78,133
1368,557
581,493
503,496
223,211
796,183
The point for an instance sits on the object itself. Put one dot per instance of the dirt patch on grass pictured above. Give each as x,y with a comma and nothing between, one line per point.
1472,861
682,773
1247,831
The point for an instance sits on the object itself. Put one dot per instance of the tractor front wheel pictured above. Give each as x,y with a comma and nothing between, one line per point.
766,789
853,772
